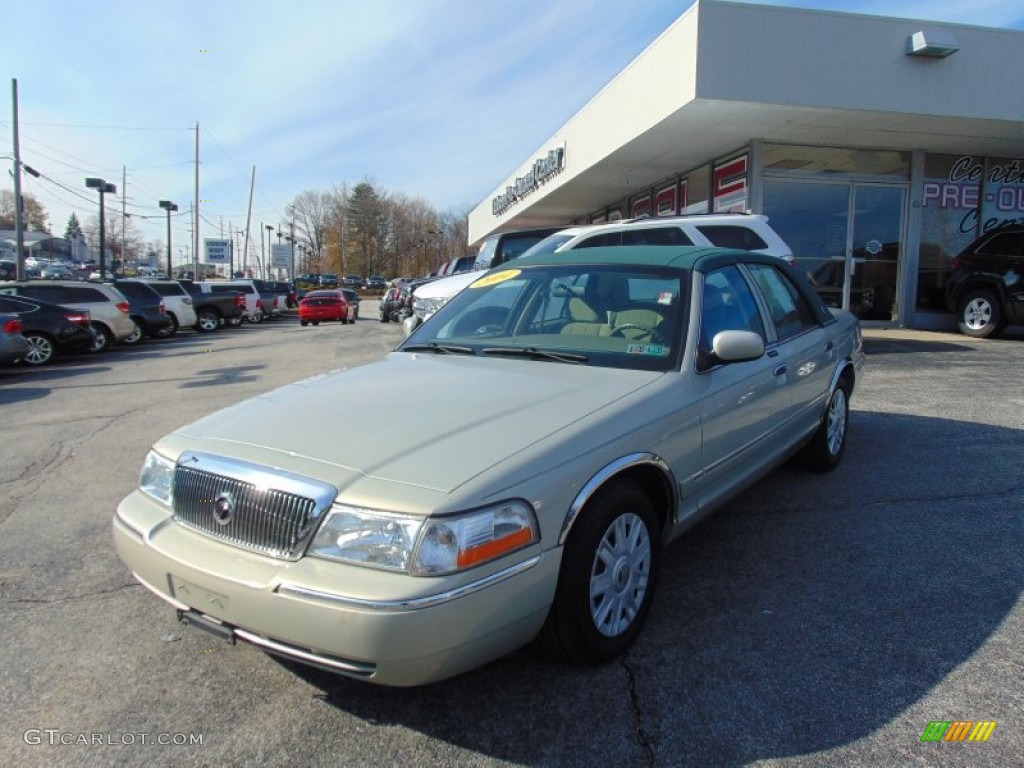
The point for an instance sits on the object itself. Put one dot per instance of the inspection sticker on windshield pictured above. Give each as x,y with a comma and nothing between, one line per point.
657,350
497,277
666,297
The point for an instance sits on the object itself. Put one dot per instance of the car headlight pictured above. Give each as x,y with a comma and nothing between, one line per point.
424,546
426,307
157,478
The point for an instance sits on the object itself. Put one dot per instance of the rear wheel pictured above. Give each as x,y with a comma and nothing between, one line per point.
208,320
303,323
104,339
40,349
980,314
607,578
136,335
826,448
170,330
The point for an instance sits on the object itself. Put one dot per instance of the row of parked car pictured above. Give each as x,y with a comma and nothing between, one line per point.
56,317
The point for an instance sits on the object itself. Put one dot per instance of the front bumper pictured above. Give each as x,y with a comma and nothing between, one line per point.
382,627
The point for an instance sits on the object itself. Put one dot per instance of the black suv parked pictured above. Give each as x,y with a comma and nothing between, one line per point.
147,311
986,289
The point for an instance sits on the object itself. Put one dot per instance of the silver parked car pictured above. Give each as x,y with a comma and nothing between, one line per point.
609,399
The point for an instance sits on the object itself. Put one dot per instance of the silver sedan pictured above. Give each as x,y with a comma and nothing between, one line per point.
560,422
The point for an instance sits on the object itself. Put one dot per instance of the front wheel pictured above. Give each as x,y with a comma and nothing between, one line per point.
826,448
607,578
980,315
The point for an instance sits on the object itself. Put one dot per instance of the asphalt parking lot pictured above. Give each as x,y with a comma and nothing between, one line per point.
817,620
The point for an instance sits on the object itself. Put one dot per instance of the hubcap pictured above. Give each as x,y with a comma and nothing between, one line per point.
836,422
977,314
620,575
39,350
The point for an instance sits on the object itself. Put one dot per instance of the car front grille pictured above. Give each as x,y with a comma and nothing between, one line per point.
246,505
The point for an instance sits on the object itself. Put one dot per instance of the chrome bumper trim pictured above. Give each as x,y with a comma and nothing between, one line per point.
411,604
356,668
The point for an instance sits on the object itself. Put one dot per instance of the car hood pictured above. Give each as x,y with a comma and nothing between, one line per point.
423,420
447,286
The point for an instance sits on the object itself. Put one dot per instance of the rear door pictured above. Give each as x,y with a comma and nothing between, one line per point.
803,353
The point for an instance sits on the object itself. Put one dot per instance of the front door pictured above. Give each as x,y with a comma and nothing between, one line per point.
847,238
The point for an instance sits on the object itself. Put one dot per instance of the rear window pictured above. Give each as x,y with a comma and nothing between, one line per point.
135,290
732,236
244,288
168,289
1004,244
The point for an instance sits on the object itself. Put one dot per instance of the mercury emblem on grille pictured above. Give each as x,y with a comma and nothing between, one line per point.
224,509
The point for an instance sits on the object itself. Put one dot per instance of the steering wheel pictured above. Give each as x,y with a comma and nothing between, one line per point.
655,336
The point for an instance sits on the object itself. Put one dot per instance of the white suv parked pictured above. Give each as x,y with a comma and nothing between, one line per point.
740,231
176,299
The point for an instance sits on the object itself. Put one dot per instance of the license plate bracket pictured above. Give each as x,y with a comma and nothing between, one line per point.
222,632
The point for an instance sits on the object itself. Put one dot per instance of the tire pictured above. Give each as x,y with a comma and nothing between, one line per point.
980,314
208,321
137,335
607,578
40,349
825,449
303,323
315,322
104,339
165,333
384,316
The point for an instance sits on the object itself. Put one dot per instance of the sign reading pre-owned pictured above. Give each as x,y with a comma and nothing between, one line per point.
218,251
543,169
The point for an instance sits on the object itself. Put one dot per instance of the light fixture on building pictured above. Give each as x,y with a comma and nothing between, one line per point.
933,44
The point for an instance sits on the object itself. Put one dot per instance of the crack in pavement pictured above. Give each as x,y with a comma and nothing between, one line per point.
69,598
643,739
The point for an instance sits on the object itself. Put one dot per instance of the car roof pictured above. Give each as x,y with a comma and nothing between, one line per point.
687,257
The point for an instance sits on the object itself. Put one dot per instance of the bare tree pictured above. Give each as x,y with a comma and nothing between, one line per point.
310,210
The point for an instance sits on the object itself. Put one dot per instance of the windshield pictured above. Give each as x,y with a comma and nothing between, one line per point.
548,245
607,315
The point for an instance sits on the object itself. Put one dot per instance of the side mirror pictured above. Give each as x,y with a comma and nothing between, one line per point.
737,346
410,324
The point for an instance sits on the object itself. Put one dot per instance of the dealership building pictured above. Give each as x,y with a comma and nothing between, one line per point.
878,147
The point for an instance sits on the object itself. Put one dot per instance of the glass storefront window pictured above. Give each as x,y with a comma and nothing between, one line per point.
949,221
1003,200
825,161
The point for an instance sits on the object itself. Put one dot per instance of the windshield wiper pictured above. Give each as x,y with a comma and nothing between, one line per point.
443,349
536,354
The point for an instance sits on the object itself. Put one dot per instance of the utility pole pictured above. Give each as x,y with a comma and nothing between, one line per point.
248,217
195,227
19,224
124,197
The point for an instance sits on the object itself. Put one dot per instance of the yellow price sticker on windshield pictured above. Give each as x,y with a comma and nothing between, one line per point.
497,277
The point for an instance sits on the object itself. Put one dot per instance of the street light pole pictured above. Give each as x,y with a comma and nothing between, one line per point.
104,188
270,247
168,206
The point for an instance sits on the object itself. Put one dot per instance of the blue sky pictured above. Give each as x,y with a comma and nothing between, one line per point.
439,99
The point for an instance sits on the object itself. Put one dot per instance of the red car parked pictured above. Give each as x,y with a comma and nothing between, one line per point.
323,305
